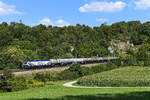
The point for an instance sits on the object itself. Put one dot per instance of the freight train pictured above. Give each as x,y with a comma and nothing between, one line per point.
52,62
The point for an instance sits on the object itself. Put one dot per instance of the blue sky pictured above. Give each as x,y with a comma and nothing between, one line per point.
71,12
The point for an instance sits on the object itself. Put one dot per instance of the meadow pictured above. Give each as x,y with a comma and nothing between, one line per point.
58,92
121,77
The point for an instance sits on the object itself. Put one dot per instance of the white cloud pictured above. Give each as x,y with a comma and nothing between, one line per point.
142,4
61,23
102,20
103,6
46,21
7,9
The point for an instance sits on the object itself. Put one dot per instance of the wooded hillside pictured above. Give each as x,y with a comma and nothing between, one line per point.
19,42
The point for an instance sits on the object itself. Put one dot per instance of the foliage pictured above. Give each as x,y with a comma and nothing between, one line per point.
103,67
139,57
67,75
6,81
86,71
13,56
75,67
19,42
73,72
19,83
43,77
9,83
35,83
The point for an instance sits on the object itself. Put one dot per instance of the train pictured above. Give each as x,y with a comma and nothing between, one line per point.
52,62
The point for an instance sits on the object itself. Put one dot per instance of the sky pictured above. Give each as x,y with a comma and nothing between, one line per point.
72,12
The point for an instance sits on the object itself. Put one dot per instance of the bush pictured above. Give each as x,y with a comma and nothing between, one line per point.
35,83
75,67
98,68
129,60
73,72
20,83
43,77
110,66
117,62
103,67
86,71
67,75
7,80
9,83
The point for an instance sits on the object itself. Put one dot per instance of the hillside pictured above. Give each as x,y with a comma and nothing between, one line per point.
19,42
122,77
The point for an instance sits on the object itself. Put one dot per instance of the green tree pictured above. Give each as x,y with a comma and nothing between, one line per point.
12,57
6,81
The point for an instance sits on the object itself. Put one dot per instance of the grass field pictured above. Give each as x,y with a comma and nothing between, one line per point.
121,77
58,92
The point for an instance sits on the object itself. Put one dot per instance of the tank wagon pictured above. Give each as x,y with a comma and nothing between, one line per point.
52,62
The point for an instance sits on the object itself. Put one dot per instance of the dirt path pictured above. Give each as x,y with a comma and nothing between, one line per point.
70,84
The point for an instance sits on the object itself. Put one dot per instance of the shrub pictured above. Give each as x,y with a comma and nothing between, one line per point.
129,60
35,83
20,83
43,77
6,81
9,83
117,62
99,68
110,66
86,71
75,71
67,75
75,67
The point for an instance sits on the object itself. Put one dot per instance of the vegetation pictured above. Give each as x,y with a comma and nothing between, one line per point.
121,77
58,92
75,71
129,41
19,42
43,77
9,83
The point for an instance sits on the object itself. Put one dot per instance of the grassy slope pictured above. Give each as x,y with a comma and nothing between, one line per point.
57,92
128,76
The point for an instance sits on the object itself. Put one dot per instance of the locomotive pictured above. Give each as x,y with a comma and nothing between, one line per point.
52,62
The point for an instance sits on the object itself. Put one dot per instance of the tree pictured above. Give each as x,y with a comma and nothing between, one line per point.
12,57
6,81
135,38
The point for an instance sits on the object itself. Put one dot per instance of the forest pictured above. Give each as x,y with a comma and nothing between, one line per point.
128,40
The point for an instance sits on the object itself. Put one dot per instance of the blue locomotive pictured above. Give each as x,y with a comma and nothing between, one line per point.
52,62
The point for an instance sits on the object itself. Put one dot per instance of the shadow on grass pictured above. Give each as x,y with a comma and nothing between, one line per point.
127,96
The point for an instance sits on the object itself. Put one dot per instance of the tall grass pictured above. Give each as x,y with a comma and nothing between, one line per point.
122,77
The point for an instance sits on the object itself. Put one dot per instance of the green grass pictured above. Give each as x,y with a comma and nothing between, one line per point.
121,77
58,92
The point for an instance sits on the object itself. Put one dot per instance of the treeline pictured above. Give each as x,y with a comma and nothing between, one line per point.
19,42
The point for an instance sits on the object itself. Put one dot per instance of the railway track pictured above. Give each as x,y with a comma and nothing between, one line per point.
49,69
